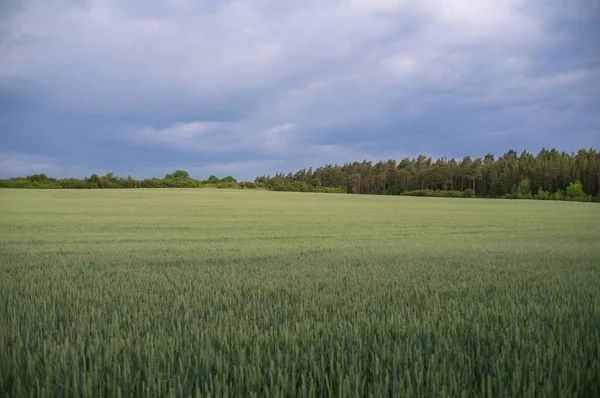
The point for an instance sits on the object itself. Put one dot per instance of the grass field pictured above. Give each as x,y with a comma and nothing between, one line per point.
236,293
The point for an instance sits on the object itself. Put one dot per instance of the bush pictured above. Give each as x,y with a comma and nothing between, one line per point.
449,194
284,188
44,185
38,178
468,193
437,194
247,184
228,185
574,192
558,195
150,183
72,183
542,195
17,183
419,192
41,181
331,190
303,186
524,189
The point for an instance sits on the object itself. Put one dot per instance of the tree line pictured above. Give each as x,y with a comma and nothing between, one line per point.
177,179
548,175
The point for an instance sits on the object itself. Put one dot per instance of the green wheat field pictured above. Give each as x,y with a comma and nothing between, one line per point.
206,292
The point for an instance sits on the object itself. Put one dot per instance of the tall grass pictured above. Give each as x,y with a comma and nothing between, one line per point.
236,293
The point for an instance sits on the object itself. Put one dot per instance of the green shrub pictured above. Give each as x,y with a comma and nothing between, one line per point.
21,184
436,194
468,193
575,193
331,190
449,194
227,185
524,189
542,195
247,184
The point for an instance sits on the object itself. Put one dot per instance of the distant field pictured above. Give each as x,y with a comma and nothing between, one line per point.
236,293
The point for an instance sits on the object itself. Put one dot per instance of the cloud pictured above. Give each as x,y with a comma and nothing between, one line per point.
274,138
215,137
18,164
105,84
180,135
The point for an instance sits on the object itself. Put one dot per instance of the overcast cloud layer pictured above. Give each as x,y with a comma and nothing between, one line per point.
255,87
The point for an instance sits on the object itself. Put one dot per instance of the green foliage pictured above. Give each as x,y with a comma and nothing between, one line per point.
468,193
514,193
448,194
182,183
229,185
213,180
524,189
330,190
181,174
73,183
38,178
559,195
574,192
248,184
17,183
219,293
41,181
510,176
434,194
302,186
542,195
520,191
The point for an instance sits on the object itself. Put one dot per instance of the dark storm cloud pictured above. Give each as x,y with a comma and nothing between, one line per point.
247,88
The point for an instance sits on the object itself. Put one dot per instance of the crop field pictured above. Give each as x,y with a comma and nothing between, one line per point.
209,292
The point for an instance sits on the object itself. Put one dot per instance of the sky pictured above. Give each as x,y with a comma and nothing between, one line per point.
247,88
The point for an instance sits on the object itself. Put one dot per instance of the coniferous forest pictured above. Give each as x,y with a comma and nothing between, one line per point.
549,175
